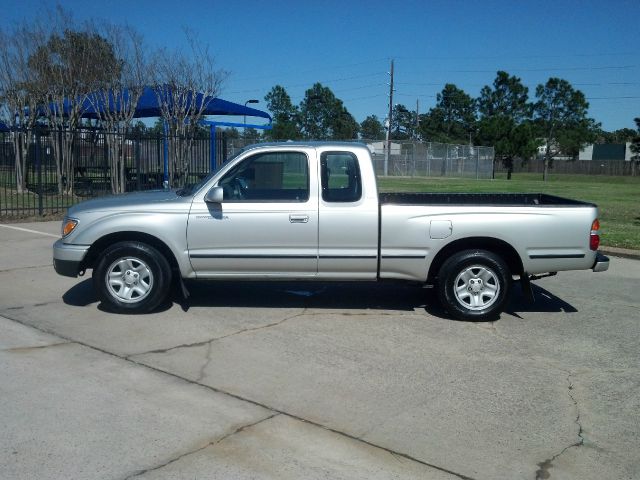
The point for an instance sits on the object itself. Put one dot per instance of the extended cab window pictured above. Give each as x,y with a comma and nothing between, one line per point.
340,174
270,177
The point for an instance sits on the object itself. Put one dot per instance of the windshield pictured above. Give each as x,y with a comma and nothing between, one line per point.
191,188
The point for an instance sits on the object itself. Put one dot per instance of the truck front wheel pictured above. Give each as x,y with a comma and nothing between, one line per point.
474,285
132,277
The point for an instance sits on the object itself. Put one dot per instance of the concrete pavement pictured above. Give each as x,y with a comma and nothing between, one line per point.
251,380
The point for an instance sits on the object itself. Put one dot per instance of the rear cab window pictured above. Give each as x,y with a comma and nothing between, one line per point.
340,177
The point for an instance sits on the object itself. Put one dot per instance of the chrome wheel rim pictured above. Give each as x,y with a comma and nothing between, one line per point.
129,280
477,287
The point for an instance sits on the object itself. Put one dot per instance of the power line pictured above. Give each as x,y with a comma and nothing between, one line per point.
523,57
545,69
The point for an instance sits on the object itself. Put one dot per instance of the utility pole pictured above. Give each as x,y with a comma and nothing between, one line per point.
390,117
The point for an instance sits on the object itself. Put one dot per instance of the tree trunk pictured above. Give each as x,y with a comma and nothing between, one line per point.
508,162
18,152
116,154
69,160
56,137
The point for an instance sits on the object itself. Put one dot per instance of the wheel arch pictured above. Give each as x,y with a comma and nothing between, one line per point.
494,245
103,243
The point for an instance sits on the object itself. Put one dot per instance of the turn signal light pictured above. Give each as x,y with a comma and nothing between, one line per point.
594,237
68,225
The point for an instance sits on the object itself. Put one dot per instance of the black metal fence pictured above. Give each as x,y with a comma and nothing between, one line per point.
47,191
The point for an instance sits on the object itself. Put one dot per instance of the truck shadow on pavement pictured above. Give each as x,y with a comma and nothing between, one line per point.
339,296
545,302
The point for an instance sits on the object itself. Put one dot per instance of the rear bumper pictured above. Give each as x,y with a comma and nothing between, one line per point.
67,259
601,264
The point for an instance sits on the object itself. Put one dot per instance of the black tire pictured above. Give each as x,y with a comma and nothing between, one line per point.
132,277
474,285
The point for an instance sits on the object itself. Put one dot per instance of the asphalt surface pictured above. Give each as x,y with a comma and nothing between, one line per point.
314,381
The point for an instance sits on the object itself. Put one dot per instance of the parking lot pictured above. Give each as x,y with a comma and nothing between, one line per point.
320,381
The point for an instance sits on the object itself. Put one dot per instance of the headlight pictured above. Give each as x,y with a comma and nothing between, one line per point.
68,225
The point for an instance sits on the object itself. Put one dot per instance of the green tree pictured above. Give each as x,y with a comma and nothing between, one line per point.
138,129
158,127
452,119
70,65
285,115
250,135
509,139
508,98
231,133
402,123
561,115
324,117
344,126
505,111
371,128
622,135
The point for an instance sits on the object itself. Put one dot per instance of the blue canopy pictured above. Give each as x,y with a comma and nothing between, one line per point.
3,127
149,106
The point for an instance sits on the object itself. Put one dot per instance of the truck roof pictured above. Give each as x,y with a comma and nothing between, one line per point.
312,144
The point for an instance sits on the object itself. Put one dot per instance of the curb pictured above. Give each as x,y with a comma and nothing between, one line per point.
621,252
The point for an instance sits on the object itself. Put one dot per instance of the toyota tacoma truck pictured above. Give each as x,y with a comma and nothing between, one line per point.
312,211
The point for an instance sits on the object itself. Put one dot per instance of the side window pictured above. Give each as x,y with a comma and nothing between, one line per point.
340,175
268,177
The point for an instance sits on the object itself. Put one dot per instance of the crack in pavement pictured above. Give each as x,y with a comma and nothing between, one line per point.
211,340
210,444
33,305
543,472
202,374
304,312
27,267
36,347
247,400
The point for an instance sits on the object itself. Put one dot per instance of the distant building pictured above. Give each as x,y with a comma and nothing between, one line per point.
542,150
378,148
603,152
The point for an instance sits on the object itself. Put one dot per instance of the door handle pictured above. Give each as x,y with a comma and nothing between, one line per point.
299,218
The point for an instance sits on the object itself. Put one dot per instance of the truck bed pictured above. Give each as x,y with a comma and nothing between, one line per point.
484,199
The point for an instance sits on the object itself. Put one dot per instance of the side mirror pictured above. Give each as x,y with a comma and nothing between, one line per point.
215,195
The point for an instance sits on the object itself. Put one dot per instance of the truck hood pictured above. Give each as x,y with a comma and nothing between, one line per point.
128,201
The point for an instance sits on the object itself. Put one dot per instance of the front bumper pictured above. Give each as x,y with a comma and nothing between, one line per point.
601,264
67,258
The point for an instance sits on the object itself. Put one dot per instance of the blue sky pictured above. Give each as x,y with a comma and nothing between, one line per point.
348,46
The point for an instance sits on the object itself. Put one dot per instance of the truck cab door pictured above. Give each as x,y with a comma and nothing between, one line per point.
348,238
266,224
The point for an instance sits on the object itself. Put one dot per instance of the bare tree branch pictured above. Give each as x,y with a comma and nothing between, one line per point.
185,84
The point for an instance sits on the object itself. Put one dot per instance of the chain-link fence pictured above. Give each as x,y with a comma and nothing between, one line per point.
414,159
417,159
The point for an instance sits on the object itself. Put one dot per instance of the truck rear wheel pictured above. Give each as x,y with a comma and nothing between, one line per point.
132,277
474,285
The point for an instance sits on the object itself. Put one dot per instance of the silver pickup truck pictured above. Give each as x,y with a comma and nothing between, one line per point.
312,211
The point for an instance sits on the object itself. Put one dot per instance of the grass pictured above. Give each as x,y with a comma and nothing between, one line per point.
618,198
